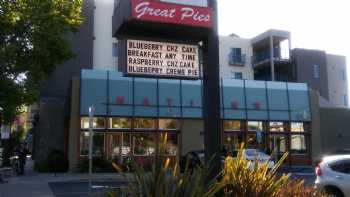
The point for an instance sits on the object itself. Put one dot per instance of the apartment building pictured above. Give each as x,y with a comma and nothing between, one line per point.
269,57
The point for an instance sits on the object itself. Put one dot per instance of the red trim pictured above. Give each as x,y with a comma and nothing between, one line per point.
147,10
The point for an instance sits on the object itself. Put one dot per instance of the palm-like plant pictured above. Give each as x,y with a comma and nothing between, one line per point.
164,179
239,179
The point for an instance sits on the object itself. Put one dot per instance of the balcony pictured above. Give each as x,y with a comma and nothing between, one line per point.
280,56
237,60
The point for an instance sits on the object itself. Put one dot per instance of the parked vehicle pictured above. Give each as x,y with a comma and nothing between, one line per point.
253,155
333,175
196,158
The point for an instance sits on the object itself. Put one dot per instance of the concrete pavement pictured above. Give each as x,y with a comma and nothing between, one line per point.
34,184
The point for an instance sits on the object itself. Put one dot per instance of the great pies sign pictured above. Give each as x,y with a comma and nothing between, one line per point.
148,10
162,59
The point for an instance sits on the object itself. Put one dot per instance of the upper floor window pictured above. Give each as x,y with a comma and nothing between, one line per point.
345,100
236,57
343,75
115,49
255,126
238,75
316,71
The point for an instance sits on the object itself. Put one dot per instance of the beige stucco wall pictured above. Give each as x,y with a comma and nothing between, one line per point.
103,42
192,137
316,130
338,87
226,70
74,125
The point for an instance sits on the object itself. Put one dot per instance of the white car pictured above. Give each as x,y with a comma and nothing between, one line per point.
333,175
253,155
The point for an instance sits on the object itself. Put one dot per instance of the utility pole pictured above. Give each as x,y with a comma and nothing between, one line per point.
211,100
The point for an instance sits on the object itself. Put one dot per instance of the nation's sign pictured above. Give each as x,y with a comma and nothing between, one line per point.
172,13
162,59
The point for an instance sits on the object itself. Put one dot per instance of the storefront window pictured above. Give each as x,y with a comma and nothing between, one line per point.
277,144
84,144
168,124
256,140
298,144
119,123
233,141
98,144
297,127
98,123
118,142
255,126
171,143
144,144
113,145
126,138
276,127
232,125
144,123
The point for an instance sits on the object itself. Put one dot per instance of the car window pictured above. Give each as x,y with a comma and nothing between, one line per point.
342,166
347,167
251,153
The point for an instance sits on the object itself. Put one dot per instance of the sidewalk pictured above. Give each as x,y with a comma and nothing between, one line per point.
34,184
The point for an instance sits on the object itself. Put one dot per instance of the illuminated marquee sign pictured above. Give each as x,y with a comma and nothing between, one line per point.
172,13
162,59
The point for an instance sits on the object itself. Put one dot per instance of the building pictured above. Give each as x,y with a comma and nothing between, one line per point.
272,109
242,58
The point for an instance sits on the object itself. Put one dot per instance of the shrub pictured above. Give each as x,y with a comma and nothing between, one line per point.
57,161
164,180
99,164
296,188
236,179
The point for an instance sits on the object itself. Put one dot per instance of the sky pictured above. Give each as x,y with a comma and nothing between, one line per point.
314,24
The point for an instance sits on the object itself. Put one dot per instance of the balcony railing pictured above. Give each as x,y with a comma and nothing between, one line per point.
278,54
237,59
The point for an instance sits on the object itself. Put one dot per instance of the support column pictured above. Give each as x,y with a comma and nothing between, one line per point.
211,93
272,62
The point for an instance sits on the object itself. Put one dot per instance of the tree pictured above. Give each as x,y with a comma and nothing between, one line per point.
32,44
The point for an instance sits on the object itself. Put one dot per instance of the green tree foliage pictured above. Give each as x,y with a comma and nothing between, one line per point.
32,43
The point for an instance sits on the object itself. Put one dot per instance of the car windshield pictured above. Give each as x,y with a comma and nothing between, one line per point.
251,153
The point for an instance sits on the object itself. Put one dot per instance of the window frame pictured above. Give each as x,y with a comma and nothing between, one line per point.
306,139
316,71
115,49
153,135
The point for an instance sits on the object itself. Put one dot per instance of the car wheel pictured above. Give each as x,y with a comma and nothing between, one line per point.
333,192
